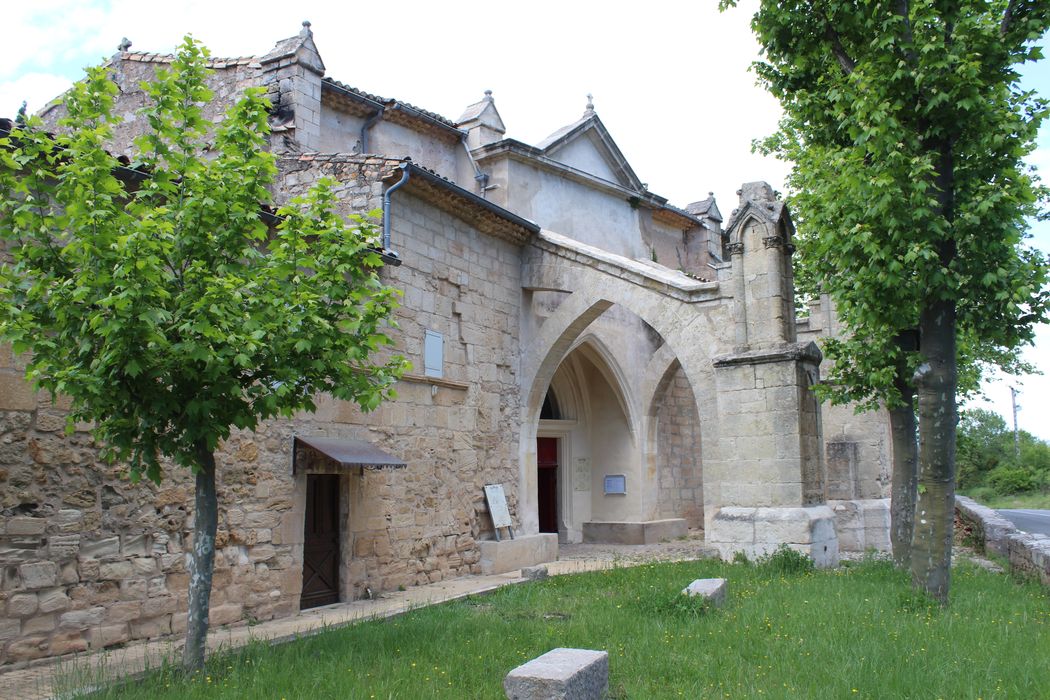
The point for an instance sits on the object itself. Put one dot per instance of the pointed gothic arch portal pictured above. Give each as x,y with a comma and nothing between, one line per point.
598,460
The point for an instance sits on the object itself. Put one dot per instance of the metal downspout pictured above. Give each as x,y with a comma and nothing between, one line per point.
481,178
386,204
366,127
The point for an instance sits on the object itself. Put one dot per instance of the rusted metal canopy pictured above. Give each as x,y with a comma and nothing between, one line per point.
349,453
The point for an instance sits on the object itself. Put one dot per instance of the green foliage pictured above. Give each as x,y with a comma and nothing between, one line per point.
157,298
988,463
785,561
907,132
1010,479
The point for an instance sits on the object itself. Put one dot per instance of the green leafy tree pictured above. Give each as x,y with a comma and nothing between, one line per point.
907,129
158,300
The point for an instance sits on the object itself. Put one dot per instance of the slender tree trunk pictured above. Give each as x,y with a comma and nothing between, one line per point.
936,382
904,486
202,560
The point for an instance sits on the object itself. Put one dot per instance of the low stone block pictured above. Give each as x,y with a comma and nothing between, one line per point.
563,674
535,573
711,589
508,555
642,532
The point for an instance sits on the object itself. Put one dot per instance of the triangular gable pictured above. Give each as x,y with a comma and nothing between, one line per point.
586,145
483,112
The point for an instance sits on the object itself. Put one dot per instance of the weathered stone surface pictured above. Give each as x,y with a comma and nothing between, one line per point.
9,628
42,574
647,532
508,555
560,674
100,548
225,614
535,573
26,526
54,600
82,619
710,589
22,605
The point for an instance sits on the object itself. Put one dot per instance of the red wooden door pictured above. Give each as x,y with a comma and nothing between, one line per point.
547,482
321,544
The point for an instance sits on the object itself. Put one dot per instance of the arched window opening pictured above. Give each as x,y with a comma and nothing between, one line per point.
550,409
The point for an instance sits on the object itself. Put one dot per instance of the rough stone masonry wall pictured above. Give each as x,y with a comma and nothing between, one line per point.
678,454
1026,553
88,560
129,70
422,523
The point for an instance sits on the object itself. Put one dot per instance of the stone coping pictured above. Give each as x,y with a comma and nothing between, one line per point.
1025,552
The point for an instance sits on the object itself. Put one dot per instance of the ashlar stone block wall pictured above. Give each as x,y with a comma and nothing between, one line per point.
679,454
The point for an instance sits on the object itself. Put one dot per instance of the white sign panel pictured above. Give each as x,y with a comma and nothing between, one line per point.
497,501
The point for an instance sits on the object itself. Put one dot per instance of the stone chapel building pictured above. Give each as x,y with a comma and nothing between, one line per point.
625,369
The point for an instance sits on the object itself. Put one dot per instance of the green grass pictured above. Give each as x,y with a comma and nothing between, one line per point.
856,632
987,497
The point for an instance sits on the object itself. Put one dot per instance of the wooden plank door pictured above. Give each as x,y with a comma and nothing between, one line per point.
321,543
547,483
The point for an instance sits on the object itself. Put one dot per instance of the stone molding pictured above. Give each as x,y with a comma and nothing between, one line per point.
791,352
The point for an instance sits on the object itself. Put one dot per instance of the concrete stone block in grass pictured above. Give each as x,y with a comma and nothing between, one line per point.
560,674
710,589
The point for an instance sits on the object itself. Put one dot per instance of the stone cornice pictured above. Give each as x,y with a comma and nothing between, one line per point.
788,352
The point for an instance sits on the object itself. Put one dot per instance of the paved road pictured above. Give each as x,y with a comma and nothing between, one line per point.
1036,522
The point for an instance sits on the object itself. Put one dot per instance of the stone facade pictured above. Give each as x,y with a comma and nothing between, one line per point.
549,298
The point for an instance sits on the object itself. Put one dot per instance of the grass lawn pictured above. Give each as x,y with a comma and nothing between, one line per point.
856,632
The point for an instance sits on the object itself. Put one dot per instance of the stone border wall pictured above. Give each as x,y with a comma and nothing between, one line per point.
993,533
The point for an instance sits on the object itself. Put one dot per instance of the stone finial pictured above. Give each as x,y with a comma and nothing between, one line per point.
590,104
488,95
756,192
124,45
306,31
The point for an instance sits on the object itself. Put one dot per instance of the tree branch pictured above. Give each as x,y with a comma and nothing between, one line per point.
1008,18
903,11
845,62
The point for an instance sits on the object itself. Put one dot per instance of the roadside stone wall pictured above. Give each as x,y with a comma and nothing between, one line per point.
678,454
89,560
991,532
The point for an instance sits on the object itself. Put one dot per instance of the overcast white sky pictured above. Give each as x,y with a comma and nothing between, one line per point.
670,79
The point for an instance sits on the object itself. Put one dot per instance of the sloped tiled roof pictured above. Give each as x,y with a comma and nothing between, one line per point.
388,101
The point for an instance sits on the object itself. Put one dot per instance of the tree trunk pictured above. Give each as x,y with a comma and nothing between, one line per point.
936,381
202,560
903,489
